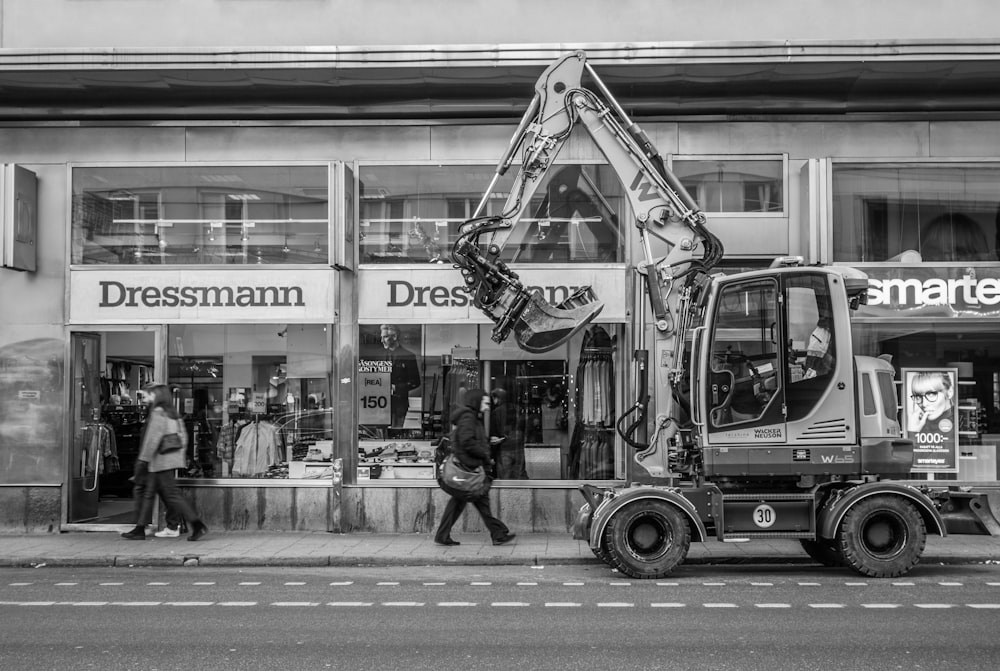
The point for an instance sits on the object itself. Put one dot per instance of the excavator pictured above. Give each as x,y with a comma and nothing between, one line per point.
764,423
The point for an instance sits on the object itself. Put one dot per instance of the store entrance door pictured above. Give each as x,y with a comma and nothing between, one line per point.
109,367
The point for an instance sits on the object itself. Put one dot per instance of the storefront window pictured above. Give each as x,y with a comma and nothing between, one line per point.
255,399
552,416
733,185
913,213
200,215
970,349
411,214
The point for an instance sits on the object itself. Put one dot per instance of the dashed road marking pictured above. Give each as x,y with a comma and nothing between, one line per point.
880,605
249,583
562,604
719,605
294,604
983,605
527,584
825,605
134,603
509,604
455,604
667,584
350,604
402,604
773,605
939,606
200,584
616,604
572,584
481,584
188,603
294,583
19,584
434,584
160,584
386,583
762,584
667,605
109,584
950,584
66,584
237,603
341,583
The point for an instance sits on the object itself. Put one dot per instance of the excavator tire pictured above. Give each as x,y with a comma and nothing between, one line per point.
882,536
647,539
823,551
602,552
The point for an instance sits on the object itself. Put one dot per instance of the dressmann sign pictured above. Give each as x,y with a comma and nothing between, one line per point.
932,292
186,296
438,295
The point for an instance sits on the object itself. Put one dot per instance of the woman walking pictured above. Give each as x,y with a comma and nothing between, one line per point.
154,470
472,449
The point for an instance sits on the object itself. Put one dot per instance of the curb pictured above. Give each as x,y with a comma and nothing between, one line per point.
320,561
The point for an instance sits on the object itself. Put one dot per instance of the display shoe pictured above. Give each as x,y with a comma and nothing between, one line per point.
198,530
446,541
167,532
137,534
506,539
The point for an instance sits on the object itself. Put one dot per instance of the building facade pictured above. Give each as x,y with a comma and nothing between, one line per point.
266,229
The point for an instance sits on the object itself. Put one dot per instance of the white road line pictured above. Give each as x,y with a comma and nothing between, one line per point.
200,584
434,584
481,584
904,584
402,604
983,605
619,584
106,584
714,584
236,603
826,605
18,584
773,605
667,605
950,584
856,584
293,604
562,604
88,603
66,584
509,604
134,603
808,584
880,605
342,583
349,604
294,583
667,584
455,604
720,605
249,583
616,604
27,603
762,584
938,606
386,584
527,584
188,603
572,584
991,584
160,584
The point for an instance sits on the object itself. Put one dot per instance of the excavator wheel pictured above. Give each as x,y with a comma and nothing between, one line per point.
602,552
882,536
823,551
647,539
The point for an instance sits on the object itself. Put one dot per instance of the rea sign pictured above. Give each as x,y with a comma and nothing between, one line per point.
910,291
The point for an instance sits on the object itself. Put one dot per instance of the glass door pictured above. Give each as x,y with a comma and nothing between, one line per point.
85,458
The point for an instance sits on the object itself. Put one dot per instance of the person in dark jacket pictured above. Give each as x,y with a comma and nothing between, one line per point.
471,448
154,472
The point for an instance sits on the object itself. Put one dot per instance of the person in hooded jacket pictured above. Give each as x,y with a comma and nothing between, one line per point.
470,446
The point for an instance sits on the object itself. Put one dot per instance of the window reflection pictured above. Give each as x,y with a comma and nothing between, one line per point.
411,214
894,212
200,215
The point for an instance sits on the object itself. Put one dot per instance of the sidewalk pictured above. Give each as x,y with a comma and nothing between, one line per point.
245,549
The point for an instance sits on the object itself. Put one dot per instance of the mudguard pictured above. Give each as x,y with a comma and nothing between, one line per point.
609,506
832,513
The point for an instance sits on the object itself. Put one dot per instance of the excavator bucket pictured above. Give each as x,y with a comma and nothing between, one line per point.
542,327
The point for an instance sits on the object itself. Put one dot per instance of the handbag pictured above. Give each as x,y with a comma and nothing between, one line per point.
470,483
171,442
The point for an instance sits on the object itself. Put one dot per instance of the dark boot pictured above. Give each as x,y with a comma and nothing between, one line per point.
137,534
198,529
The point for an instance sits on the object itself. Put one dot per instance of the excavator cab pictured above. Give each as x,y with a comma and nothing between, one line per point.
776,360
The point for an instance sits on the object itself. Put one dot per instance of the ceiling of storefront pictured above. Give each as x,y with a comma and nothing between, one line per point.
919,87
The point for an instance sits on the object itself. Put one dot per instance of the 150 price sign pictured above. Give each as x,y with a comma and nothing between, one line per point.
374,389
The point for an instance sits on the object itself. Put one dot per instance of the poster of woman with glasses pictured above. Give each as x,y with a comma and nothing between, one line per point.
930,409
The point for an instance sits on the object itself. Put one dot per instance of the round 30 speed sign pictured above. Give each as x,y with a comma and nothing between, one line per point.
764,516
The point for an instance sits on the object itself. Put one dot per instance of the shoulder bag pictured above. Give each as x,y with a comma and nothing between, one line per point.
471,484
170,442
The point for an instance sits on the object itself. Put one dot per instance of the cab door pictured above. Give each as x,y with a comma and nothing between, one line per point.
745,394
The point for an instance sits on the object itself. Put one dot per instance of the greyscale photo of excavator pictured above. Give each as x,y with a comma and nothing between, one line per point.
737,434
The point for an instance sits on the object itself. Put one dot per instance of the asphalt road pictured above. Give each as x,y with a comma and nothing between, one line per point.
571,617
